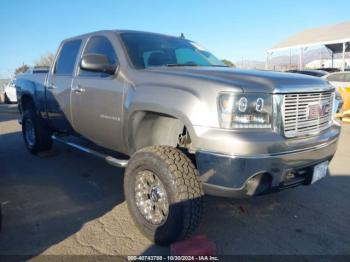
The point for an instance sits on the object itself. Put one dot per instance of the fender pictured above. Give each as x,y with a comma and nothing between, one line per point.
34,90
185,105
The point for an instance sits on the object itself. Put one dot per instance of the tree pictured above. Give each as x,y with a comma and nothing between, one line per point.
21,69
45,60
228,63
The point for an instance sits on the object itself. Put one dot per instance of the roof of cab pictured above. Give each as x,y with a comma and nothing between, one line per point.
112,32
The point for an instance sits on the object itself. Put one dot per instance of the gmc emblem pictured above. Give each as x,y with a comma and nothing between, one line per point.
317,110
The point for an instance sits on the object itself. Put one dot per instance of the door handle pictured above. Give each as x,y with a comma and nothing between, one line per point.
51,86
78,89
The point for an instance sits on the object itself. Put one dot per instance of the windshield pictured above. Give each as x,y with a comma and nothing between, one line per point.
150,50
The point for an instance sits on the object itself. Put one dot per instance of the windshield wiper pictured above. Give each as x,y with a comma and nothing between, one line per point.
195,65
181,65
219,65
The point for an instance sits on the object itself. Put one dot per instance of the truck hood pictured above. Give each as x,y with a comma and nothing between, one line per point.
249,80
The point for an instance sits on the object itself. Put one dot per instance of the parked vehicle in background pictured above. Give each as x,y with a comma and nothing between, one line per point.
10,95
316,73
329,69
339,79
184,124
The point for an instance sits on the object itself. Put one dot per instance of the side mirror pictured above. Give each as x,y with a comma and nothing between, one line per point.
97,63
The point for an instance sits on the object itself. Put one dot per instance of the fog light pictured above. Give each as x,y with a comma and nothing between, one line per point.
258,184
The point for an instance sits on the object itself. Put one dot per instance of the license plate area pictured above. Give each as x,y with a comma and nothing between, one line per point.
320,171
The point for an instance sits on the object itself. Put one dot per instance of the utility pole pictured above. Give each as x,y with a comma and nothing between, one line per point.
290,59
343,63
301,58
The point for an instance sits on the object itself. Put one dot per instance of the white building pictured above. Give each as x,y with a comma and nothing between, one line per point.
334,37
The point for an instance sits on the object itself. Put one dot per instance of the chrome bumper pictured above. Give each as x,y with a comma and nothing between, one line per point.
234,175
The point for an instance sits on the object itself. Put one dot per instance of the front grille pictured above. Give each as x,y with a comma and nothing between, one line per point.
306,113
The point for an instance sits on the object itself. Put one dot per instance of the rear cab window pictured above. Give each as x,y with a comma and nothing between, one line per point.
67,58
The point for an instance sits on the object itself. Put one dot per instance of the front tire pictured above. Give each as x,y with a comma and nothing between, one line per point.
163,193
37,137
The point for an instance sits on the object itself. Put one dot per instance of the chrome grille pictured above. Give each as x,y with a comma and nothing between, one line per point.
296,113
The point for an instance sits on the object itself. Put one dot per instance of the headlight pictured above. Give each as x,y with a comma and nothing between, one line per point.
245,110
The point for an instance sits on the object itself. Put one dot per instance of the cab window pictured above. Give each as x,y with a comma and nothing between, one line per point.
99,45
67,58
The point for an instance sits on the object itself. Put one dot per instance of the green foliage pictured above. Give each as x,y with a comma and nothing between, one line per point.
21,69
228,63
45,60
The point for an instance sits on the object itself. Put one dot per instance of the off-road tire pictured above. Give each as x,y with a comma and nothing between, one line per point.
182,185
43,140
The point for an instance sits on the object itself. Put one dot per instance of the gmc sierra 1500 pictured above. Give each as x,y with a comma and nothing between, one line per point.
184,123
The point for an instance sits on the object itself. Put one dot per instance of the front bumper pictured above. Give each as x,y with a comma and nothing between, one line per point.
237,175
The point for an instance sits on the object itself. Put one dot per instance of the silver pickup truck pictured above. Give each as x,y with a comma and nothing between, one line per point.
181,122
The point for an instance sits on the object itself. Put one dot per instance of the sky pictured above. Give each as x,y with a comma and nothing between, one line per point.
230,29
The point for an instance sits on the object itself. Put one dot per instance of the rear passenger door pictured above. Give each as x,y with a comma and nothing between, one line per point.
97,106
59,83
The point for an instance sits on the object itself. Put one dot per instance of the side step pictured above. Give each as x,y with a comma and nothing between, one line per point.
109,159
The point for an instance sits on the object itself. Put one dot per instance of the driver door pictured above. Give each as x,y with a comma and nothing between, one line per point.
97,99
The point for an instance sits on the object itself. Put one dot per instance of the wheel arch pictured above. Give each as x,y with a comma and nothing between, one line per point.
27,101
153,128
157,107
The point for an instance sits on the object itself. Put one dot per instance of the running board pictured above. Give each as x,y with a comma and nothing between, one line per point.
109,159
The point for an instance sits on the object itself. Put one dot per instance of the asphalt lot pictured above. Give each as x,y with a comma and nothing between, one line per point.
68,202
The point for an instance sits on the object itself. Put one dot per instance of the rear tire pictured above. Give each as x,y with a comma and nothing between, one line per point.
170,174
37,137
